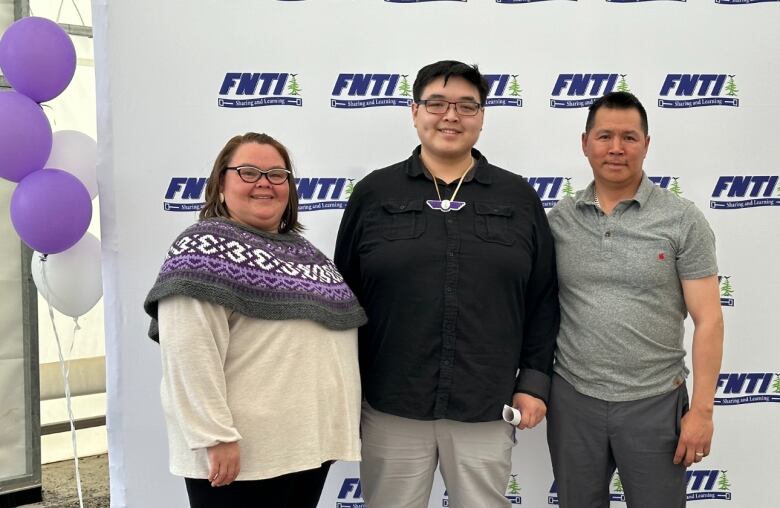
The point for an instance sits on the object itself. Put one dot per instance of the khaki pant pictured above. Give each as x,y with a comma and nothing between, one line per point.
400,457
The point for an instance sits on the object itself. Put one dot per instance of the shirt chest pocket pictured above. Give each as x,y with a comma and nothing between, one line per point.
647,264
493,222
402,219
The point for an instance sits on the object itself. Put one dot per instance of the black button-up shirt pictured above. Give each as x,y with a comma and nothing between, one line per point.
462,306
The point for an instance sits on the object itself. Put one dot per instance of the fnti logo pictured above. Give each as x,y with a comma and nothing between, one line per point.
582,90
672,183
350,495
741,2
726,291
255,89
184,194
503,90
420,1
551,189
616,488
738,388
512,492
371,90
709,90
745,192
707,484
521,1
323,193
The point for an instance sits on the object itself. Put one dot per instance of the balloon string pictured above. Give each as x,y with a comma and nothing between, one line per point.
59,11
65,371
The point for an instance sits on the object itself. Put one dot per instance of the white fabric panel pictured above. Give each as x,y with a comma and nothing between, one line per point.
13,404
160,67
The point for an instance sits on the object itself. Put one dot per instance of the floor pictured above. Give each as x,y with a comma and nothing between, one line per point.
59,484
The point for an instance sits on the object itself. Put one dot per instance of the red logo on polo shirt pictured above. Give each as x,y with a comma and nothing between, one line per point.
661,256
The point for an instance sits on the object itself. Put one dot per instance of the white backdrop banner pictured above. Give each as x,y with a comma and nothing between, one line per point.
332,80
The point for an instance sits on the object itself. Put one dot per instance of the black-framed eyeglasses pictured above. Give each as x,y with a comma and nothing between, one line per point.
440,107
251,174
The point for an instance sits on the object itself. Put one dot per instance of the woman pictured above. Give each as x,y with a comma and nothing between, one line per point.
258,335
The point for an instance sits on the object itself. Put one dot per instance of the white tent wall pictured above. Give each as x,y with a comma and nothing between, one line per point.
74,109
160,69
13,439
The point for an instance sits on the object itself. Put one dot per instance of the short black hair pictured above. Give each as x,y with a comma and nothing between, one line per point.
448,69
616,100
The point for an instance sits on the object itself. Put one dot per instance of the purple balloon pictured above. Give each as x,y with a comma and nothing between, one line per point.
25,136
37,58
51,210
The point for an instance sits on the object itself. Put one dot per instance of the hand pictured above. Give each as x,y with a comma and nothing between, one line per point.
224,463
696,430
532,410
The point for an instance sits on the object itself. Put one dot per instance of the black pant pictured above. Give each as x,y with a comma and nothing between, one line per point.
294,490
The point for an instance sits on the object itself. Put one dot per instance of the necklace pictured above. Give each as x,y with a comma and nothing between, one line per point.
445,205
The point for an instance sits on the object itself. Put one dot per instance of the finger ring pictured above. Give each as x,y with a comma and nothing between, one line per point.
700,454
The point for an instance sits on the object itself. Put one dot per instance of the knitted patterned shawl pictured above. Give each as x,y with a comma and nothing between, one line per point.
261,275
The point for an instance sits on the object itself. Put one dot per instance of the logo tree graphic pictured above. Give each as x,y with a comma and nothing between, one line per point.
617,483
622,85
513,488
568,190
405,89
776,383
725,287
731,86
723,481
293,88
514,87
350,188
675,186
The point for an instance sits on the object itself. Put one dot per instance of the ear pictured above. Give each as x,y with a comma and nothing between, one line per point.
584,142
415,108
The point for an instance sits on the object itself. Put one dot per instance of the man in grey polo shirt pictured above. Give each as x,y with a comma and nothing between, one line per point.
632,259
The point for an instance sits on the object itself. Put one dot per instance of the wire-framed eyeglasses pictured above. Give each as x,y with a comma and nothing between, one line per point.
251,174
440,107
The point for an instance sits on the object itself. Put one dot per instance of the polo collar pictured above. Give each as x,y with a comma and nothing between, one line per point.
480,172
587,196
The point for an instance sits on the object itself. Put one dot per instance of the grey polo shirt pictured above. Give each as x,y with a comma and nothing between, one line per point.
622,306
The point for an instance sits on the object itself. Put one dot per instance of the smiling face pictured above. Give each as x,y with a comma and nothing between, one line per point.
259,204
616,146
449,135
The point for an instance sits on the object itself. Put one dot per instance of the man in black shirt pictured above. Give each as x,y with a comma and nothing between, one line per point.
453,260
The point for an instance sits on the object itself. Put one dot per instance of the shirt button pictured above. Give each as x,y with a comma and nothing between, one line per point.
607,234
448,289
445,363
451,254
449,221
402,207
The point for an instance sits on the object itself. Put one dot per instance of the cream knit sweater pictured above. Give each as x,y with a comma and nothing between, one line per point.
287,391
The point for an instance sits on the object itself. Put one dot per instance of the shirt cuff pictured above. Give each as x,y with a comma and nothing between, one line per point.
533,383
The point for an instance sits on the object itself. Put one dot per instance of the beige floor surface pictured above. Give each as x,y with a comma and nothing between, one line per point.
59,484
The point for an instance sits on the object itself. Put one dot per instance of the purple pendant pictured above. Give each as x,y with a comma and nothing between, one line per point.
445,205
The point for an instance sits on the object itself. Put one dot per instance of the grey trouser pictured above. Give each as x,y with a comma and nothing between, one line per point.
400,457
589,437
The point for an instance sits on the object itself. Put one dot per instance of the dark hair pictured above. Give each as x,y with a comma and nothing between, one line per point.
616,100
214,207
448,69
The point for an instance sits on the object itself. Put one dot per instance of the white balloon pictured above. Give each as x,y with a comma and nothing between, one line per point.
76,153
73,280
